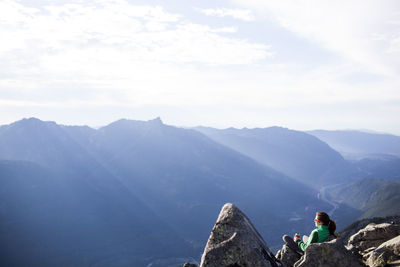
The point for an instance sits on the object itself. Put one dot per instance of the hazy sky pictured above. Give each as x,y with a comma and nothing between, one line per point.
241,63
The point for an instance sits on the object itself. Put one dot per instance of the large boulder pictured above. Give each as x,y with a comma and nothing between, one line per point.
386,253
234,242
353,228
287,256
328,254
372,236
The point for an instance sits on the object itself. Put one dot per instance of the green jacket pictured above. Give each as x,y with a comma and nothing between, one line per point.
317,236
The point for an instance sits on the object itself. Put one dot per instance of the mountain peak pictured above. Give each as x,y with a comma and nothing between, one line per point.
156,121
31,119
32,122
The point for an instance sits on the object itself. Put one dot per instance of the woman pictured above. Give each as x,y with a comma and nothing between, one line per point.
325,228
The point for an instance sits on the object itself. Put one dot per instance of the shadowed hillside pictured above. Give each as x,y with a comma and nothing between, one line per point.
297,154
373,197
54,219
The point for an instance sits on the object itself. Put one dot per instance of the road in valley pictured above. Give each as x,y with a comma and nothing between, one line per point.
322,195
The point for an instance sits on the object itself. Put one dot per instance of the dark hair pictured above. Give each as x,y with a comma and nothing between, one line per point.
324,218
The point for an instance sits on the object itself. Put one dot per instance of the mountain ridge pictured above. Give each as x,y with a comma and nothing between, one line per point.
358,145
179,177
297,154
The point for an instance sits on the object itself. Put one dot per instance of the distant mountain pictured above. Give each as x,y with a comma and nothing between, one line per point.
142,193
358,145
131,193
374,197
185,177
294,153
383,167
64,207
45,143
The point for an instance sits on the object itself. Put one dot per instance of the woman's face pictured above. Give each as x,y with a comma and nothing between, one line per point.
317,222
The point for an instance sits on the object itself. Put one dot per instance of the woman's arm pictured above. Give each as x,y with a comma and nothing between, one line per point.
312,239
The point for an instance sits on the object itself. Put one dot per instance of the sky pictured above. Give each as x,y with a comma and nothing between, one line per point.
300,64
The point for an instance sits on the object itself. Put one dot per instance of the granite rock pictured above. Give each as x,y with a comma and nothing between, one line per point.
386,253
353,228
234,242
287,256
328,254
372,236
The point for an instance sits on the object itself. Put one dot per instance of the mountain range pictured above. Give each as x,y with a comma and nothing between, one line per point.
358,145
142,192
297,154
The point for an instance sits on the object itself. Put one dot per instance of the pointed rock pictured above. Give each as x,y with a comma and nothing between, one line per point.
234,242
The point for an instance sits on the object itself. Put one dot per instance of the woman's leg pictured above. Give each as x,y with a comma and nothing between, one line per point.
291,244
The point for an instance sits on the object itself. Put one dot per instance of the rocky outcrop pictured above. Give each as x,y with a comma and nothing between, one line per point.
353,228
328,254
385,254
372,236
287,256
365,246
234,242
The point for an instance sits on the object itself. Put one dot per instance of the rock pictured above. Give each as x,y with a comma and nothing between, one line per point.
393,264
386,253
368,250
330,238
287,256
328,254
234,242
353,228
190,265
372,236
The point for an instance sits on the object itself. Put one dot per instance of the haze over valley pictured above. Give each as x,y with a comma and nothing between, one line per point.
143,192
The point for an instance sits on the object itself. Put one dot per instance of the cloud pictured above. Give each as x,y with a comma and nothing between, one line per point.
348,28
116,57
242,14
141,33
394,47
111,49
51,49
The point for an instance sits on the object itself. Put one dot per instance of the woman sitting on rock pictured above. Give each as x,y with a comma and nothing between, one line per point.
325,228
